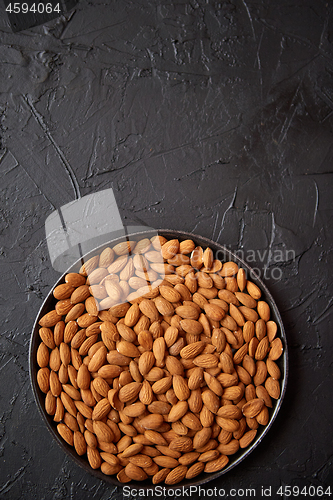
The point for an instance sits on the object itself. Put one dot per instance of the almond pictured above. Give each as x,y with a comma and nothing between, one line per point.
213,384
128,349
148,308
236,315
196,378
191,326
176,475
249,314
63,291
252,407
103,431
229,269
263,310
146,362
132,315
166,461
174,366
83,377
164,307
146,393
276,349
195,470
43,379
247,438
134,472
273,387
214,312
202,437
192,350
182,444
159,348
152,421
43,355
180,387
211,400
66,433
262,349
218,340
97,359
273,368
129,391
253,290
169,293
261,373
170,249
101,410
50,319
206,360
217,464
79,442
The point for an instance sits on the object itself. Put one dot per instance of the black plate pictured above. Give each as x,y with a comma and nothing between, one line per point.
224,255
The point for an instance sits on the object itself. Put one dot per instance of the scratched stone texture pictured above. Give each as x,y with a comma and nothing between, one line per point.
205,116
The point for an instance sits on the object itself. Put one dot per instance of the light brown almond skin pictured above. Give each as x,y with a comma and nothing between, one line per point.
206,361
276,349
217,464
134,472
180,387
152,421
273,387
247,438
195,470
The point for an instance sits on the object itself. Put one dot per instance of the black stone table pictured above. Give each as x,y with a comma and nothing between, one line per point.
213,117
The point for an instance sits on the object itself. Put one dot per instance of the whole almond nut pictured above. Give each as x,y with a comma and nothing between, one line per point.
276,349
211,400
206,360
50,319
176,475
273,369
249,314
129,391
102,409
247,438
182,444
128,349
262,349
180,387
103,431
63,291
43,355
152,421
271,328
213,384
252,407
253,290
170,248
217,464
191,326
214,312
66,433
98,359
263,310
261,373
273,387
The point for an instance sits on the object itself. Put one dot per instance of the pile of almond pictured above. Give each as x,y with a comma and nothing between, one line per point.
158,361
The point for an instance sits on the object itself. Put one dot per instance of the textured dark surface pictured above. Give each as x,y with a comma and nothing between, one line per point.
210,117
